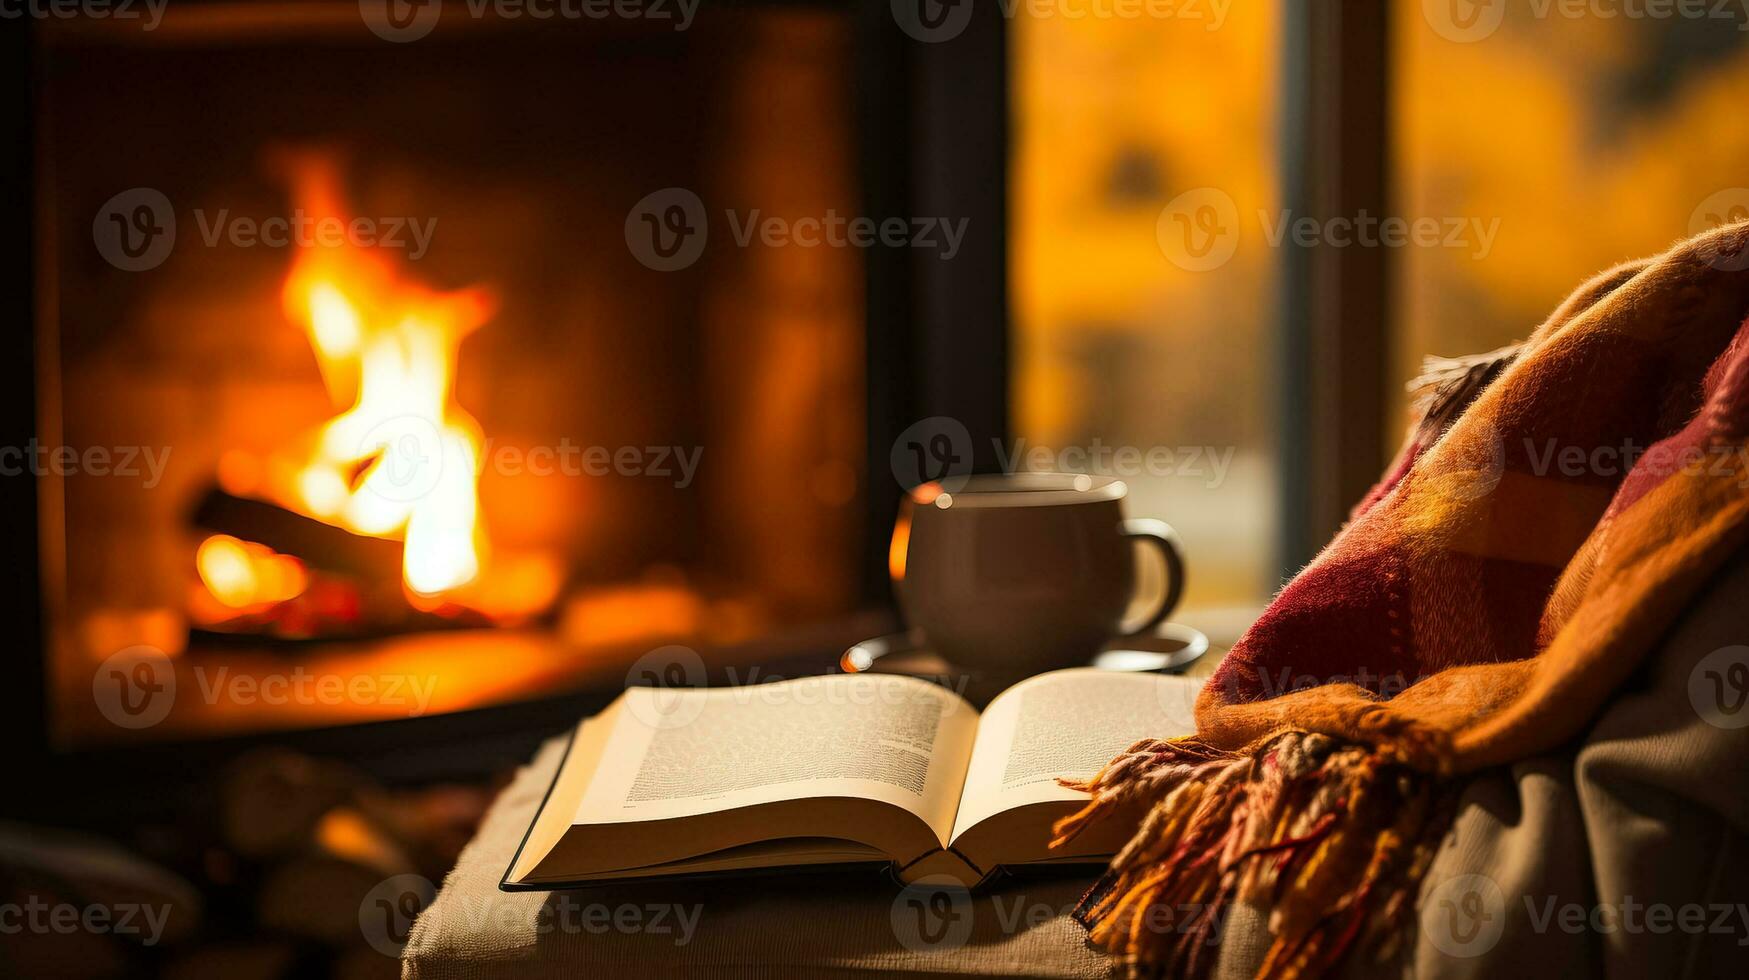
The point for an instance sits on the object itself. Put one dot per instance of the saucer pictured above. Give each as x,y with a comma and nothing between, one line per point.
1168,649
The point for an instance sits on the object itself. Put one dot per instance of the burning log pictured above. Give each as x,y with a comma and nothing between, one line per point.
321,546
271,573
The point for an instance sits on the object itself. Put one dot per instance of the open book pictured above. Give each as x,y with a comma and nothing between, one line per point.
839,769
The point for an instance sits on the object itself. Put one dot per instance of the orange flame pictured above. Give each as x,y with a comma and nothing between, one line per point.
401,459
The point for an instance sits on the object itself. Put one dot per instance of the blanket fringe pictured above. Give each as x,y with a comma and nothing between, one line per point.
1327,836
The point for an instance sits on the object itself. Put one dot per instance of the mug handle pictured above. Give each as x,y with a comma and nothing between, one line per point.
1161,536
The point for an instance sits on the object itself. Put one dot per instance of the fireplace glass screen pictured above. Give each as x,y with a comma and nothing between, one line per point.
378,360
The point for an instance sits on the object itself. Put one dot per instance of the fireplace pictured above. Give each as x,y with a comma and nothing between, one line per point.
365,359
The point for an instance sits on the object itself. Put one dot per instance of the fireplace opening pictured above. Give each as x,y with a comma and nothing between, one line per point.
386,384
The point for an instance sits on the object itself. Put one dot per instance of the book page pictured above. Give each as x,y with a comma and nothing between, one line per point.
683,752
1066,723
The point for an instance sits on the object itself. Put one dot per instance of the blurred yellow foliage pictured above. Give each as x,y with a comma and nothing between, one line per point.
1588,139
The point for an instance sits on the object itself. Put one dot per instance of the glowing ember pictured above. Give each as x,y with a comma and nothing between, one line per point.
243,575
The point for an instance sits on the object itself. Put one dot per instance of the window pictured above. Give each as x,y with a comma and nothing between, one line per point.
1580,141
1543,143
1133,357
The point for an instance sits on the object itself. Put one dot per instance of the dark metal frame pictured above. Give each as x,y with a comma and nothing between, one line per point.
932,140
1335,314
23,698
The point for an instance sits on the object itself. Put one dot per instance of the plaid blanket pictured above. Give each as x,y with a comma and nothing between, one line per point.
1553,510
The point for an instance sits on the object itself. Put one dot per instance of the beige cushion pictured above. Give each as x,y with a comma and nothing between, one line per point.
809,925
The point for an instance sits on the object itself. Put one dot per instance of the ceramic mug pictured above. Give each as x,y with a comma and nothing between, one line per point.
1020,573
